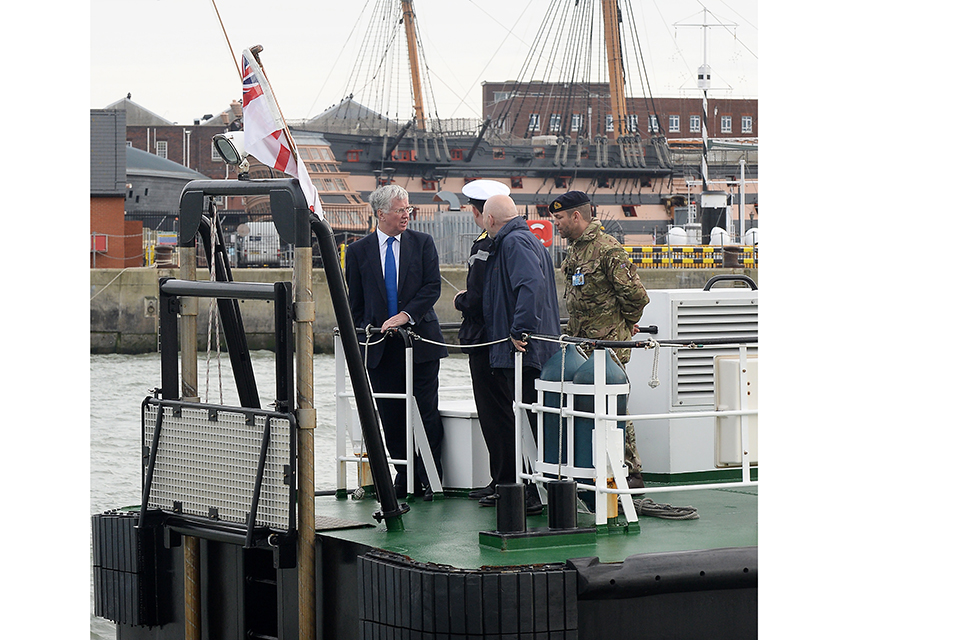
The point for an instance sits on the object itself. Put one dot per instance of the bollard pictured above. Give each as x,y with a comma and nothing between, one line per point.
562,504
511,508
731,256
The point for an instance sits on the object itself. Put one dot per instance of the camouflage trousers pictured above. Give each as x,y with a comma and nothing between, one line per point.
630,455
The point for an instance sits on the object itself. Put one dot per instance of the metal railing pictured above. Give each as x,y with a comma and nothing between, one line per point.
608,445
348,426
608,439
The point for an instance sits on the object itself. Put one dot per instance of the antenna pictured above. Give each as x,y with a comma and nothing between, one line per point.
703,83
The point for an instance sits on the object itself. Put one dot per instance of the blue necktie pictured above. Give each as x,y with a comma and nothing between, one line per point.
390,278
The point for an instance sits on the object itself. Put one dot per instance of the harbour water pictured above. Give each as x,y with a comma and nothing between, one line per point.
118,384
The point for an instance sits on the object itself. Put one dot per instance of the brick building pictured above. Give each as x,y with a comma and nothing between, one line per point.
531,109
190,146
114,242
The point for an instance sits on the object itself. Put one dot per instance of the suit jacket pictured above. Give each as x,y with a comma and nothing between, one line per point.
418,289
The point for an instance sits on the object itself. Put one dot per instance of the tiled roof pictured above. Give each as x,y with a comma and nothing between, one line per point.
137,115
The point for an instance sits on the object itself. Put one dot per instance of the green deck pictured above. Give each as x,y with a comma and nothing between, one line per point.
447,531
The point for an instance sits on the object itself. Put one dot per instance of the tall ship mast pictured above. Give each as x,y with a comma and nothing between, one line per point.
580,115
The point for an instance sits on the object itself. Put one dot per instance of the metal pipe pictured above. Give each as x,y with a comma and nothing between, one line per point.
189,308
151,464
245,290
391,510
229,309
258,483
304,312
191,588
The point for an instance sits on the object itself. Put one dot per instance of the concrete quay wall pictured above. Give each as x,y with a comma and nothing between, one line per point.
123,304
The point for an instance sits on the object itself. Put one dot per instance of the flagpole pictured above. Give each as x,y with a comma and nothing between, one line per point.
227,38
255,52
306,411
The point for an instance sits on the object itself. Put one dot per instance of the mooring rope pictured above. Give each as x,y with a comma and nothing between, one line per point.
213,310
647,507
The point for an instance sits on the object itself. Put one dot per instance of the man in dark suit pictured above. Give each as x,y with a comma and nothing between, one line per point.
393,277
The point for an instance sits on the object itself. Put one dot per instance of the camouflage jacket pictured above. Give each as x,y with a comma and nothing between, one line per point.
611,298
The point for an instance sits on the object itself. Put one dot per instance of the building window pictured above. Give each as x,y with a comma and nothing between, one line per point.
353,155
632,123
674,123
694,124
456,154
554,122
129,143
543,211
746,124
534,124
498,153
726,124
516,182
214,154
629,210
609,120
500,96
162,148
653,124
575,122
428,185
560,182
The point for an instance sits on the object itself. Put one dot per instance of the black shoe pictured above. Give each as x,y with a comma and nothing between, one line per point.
428,495
489,500
400,487
533,505
477,494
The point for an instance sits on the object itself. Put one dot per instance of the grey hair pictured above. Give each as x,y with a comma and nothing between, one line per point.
382,197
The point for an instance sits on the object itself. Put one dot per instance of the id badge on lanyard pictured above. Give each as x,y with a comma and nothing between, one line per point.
577,279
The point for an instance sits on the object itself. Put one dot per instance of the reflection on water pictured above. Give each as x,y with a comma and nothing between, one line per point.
119,383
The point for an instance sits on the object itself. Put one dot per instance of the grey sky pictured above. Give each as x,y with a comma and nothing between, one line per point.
172,56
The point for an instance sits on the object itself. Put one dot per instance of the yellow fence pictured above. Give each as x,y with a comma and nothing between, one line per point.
686,257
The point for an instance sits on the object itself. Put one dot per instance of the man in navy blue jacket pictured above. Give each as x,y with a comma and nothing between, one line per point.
519,299
489,390
409,260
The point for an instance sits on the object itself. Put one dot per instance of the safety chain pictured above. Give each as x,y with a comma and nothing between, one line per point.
654,382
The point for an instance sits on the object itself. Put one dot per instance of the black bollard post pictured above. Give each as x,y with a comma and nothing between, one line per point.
511,508
562,504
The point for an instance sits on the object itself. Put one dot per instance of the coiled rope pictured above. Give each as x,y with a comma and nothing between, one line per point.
647,507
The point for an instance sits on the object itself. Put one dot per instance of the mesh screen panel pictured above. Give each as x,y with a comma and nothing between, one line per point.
207,459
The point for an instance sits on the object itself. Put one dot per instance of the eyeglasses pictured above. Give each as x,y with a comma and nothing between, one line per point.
407,210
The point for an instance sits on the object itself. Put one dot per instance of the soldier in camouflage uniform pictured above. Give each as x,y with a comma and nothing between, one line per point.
603,292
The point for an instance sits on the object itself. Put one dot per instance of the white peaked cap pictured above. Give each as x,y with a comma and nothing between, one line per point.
484,189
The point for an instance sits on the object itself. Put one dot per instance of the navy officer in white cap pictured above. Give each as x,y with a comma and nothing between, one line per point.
494,399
